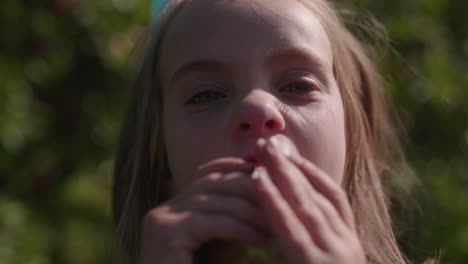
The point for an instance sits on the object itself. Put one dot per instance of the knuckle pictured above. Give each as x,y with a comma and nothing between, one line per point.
339,193
162,217
208,179
212,177
153,218
301,161
233,175
300,239
163,226
303,209
350,250
327,206
201,198
312,213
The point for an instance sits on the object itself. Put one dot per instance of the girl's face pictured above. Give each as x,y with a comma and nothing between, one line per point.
235,71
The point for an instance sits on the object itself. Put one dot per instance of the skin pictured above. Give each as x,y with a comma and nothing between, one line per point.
244,78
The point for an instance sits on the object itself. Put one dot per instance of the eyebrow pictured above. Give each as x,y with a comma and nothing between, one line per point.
295,54
303,56
273,57
198,66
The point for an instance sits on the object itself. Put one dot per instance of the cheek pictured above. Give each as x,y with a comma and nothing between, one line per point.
189,143
334,147
321,139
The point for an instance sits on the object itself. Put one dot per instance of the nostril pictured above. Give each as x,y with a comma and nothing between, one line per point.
270,124
245,126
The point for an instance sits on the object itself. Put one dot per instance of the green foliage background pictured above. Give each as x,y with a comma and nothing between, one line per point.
64,76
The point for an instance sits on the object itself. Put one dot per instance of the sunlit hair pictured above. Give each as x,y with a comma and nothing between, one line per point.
374,155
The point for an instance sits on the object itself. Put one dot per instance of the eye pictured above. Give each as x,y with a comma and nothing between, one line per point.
301,90
297,88
205,97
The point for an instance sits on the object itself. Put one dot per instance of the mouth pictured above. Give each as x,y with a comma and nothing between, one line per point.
251,158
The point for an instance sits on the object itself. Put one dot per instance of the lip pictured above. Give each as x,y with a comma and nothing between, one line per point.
253,159
250,158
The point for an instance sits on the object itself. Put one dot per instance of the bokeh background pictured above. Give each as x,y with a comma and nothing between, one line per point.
65,71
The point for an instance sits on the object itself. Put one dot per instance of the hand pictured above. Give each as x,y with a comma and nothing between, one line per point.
216,206
309,214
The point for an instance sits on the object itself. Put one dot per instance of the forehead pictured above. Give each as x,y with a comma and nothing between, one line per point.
237,31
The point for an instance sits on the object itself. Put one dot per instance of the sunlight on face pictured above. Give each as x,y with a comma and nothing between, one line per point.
235,71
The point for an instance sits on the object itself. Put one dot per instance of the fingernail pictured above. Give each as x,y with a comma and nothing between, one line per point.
261,142
259,172
274,141
272,145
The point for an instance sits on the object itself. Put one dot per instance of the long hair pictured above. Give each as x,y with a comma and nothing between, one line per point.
374,154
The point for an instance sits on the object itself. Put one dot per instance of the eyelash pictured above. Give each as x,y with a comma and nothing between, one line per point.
198,98
309,87
210,95
303,89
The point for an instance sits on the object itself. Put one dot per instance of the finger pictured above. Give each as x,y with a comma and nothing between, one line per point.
334,219
326,186
206,227
224,165
231,206
232,183
300,195
189,230
288,230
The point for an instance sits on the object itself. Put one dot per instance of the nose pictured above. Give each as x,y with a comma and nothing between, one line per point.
258,115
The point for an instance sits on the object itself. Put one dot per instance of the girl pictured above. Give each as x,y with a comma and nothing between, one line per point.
230,85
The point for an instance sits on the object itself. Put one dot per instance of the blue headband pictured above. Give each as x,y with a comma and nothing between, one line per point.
156,5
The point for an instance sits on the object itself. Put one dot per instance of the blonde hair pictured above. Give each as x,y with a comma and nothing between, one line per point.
141,172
